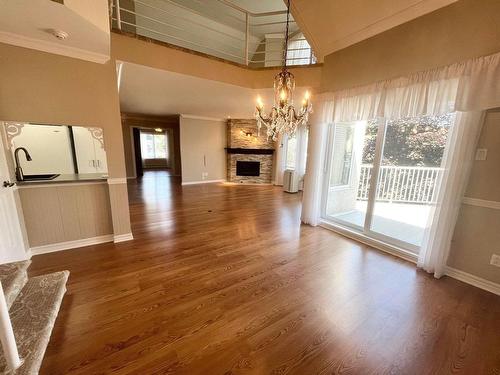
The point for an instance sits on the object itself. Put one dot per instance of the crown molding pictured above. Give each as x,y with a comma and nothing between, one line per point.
52,47
194,117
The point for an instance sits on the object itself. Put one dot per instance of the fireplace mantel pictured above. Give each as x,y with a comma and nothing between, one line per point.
253,151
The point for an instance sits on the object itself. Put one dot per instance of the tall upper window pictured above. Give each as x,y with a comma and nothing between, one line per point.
299,51
153,146
343,143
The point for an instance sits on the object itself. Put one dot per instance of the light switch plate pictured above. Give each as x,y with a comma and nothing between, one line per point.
481,153
495,260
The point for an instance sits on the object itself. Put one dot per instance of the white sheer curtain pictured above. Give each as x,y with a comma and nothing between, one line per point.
467,88
457,164
318,123
279,161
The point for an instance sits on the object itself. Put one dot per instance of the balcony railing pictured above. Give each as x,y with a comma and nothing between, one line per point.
214,27
401,184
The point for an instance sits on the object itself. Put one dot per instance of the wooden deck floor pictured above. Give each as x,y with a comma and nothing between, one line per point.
223,279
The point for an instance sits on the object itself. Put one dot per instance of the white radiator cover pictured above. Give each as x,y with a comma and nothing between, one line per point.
290,181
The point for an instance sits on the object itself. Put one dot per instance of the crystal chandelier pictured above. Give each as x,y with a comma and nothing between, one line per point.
283,118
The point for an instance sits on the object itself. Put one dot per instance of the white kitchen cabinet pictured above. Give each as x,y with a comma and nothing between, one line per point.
89,149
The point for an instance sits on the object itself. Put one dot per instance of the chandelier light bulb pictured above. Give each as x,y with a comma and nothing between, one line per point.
259,102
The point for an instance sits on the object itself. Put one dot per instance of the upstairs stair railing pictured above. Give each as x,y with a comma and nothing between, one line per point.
219,28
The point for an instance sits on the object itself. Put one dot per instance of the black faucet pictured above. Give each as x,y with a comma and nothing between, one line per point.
19,170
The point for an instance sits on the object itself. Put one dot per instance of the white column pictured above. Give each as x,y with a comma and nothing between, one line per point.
7,338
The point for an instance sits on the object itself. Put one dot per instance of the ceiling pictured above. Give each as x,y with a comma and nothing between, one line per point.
27,23
159,92
260,6
330,25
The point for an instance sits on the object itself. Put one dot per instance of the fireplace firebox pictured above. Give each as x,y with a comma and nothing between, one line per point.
247,168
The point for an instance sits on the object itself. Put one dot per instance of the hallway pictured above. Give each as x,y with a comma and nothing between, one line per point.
223,279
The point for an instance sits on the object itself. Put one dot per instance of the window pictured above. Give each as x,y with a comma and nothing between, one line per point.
299,51
291,153
153,146
341,166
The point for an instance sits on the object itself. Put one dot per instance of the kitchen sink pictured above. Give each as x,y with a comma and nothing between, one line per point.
39,177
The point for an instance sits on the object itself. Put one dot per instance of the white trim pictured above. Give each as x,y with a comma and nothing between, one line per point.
53,47
123,237
481,203
52,184
473,280
194,117
377,244
50,248
119,68
117,181
202,182
131,178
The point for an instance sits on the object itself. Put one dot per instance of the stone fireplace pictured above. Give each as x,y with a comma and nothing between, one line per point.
249,157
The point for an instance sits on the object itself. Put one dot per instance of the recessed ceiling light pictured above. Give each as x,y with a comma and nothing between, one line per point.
59,34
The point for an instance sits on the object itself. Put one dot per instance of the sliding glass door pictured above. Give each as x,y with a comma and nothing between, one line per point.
350,146
383,176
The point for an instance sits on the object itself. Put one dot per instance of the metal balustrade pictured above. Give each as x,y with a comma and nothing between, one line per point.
401,184
214,27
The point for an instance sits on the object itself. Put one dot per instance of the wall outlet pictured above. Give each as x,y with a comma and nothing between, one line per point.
481,154
495,260
204,175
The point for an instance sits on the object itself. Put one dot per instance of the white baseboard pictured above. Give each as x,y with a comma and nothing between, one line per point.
44,249
476,281
123,237
202,182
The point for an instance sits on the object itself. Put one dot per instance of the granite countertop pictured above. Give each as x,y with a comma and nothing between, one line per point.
67,178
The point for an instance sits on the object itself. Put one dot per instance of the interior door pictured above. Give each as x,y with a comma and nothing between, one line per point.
12,247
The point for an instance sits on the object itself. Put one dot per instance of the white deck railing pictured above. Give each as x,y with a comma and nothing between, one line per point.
401,184
218,28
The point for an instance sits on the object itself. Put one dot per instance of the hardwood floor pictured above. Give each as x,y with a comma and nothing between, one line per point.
223,279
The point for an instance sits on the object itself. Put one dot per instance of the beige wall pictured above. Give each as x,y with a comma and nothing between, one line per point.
476,235
129,49
202,149
468,28
45,88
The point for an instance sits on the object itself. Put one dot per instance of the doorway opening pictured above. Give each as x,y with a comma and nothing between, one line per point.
151,143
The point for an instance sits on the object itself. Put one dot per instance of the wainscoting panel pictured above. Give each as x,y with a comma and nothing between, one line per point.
62,213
